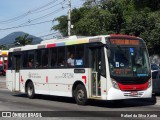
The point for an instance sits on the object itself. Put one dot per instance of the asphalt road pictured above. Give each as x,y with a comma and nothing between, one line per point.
60,105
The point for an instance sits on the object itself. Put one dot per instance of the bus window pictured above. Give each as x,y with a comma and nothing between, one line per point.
102,65
53,57
61,57
31,59
45,58
25,59
70,55
38,58
79,57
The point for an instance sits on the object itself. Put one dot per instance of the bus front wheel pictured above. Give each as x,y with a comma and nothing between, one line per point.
81,95
30,90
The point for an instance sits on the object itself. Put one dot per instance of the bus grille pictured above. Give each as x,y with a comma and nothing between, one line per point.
129,82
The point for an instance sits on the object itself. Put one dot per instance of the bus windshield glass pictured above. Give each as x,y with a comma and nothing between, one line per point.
128,60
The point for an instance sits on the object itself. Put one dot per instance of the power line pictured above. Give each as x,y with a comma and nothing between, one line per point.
27,13
48,4
25,25
58,10
60,3
48,34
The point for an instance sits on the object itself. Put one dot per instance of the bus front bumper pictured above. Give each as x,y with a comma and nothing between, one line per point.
115,94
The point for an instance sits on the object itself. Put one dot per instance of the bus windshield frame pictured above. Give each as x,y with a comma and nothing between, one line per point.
128,58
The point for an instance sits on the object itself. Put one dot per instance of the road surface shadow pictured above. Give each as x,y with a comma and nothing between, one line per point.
98,103
124,103
157,94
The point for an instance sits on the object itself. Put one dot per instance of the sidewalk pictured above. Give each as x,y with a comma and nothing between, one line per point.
2,84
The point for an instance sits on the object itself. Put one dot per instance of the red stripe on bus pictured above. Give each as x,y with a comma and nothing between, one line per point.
21,79
133,87
51,45
46,79
85,79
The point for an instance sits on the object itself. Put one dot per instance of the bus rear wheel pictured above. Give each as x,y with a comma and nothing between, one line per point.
30,90
80,95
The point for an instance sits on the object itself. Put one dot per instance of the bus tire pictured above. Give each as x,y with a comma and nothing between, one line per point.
80,95
3,73
30,90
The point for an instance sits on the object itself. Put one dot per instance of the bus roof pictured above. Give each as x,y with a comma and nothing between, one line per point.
72,40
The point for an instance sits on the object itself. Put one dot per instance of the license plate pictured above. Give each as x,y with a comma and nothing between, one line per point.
134,93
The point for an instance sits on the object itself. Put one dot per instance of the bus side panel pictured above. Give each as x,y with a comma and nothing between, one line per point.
61,81
38,77
22,82
10,76
54,81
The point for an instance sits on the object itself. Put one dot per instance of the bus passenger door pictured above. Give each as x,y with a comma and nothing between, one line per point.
17,61
95,62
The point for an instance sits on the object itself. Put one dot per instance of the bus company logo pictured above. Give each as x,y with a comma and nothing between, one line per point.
34,75
134,88
29,75
6,114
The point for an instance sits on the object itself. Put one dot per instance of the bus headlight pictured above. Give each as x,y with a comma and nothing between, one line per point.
149,83
115,85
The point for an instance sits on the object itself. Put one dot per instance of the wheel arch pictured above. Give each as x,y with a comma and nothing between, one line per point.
75,85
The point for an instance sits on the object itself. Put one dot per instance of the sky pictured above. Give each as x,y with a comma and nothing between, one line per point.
15,13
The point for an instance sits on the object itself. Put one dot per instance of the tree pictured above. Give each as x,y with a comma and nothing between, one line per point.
154,5
3,47
23,40
133,17
76,15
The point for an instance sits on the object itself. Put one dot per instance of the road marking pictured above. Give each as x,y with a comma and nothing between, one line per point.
4,89
157,102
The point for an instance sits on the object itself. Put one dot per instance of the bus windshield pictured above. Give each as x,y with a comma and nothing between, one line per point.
127,61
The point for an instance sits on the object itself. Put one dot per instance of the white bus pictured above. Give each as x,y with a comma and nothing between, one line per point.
107,67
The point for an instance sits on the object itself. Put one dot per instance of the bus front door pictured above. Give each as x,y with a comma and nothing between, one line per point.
17,61
95,63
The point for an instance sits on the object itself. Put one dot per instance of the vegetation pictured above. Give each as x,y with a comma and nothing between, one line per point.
132,17
23,40
3,47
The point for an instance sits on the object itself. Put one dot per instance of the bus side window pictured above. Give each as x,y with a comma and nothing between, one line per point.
79,58
61,57
45,58
70,56
25,59
31,59
38,58
54,57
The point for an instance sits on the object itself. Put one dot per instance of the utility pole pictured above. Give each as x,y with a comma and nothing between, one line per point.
69,18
